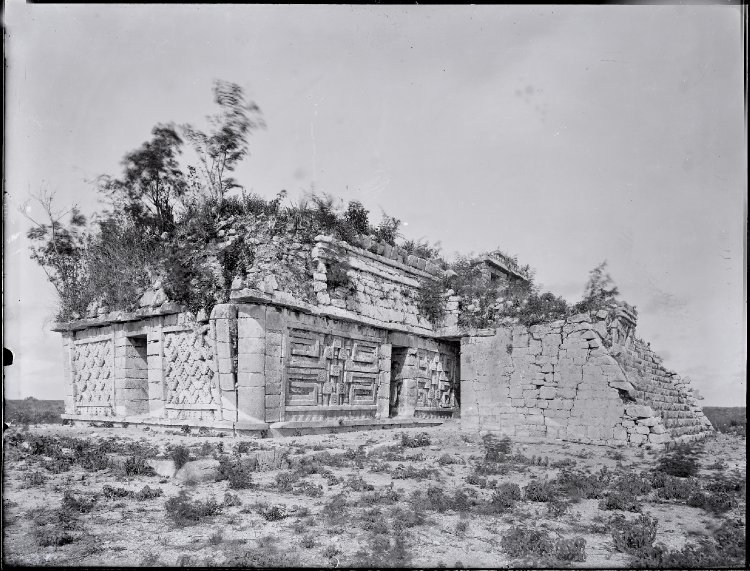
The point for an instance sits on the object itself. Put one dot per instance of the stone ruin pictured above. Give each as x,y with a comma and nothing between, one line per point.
298,350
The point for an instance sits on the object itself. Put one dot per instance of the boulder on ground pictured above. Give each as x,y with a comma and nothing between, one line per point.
204,470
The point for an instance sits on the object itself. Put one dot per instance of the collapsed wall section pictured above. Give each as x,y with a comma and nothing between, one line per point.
554,380
667,393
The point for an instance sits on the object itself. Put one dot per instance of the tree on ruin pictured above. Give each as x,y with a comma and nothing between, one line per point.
226,143
59,248
600,290
152,181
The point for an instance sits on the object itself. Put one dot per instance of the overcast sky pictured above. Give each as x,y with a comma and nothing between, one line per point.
565,134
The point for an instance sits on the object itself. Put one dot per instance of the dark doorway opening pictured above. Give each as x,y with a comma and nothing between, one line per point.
398,358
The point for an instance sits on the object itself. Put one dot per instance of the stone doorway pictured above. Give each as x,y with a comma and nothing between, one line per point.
398,359
134,393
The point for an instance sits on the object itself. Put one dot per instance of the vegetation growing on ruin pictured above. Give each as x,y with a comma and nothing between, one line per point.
193,229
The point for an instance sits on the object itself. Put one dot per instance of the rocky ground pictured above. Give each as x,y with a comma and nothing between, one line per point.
424,498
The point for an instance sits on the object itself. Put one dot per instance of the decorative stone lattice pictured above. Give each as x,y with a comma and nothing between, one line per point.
437,380
92,378
189,369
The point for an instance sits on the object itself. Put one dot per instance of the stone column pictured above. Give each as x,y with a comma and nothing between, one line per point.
67,346
251,362
384,380
120,369
224,325
274,364
155,359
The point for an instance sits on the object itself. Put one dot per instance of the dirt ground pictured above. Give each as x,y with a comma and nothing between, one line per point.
359,508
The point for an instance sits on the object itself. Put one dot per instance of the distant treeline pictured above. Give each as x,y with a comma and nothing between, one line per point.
727,419
33,411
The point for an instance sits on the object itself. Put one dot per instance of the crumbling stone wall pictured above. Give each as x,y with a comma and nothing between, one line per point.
554,380
378,290
670,396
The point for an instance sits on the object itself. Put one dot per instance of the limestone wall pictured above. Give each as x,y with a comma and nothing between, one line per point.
378,286
556,380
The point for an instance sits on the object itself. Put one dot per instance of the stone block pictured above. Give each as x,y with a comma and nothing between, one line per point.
547,393
204,470
251,401
658,429
639,411
654,438
251,363
620,433
226,381
636,438
245,379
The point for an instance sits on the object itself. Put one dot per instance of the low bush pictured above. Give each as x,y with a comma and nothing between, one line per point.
53,537
540,491
273,513
557,508
571,549
633,536
726,549
402,472
496,449
148,493
185,511
77,504
384,551
231,500
336,509
675,488
714,502
504,498
387,496
525,542
416,441
238,471
180,455
36,479
447,459
357,484
680,461
577,485
620,500
138,466
110,492
632,484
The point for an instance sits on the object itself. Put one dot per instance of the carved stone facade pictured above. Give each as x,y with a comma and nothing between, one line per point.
93,376
349,349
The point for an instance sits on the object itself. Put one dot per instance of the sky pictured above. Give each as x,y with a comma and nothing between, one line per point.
567,135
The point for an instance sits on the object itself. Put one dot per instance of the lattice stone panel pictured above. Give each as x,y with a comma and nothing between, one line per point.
93,378
437,380
189,369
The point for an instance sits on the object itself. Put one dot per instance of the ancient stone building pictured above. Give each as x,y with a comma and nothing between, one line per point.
342,345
